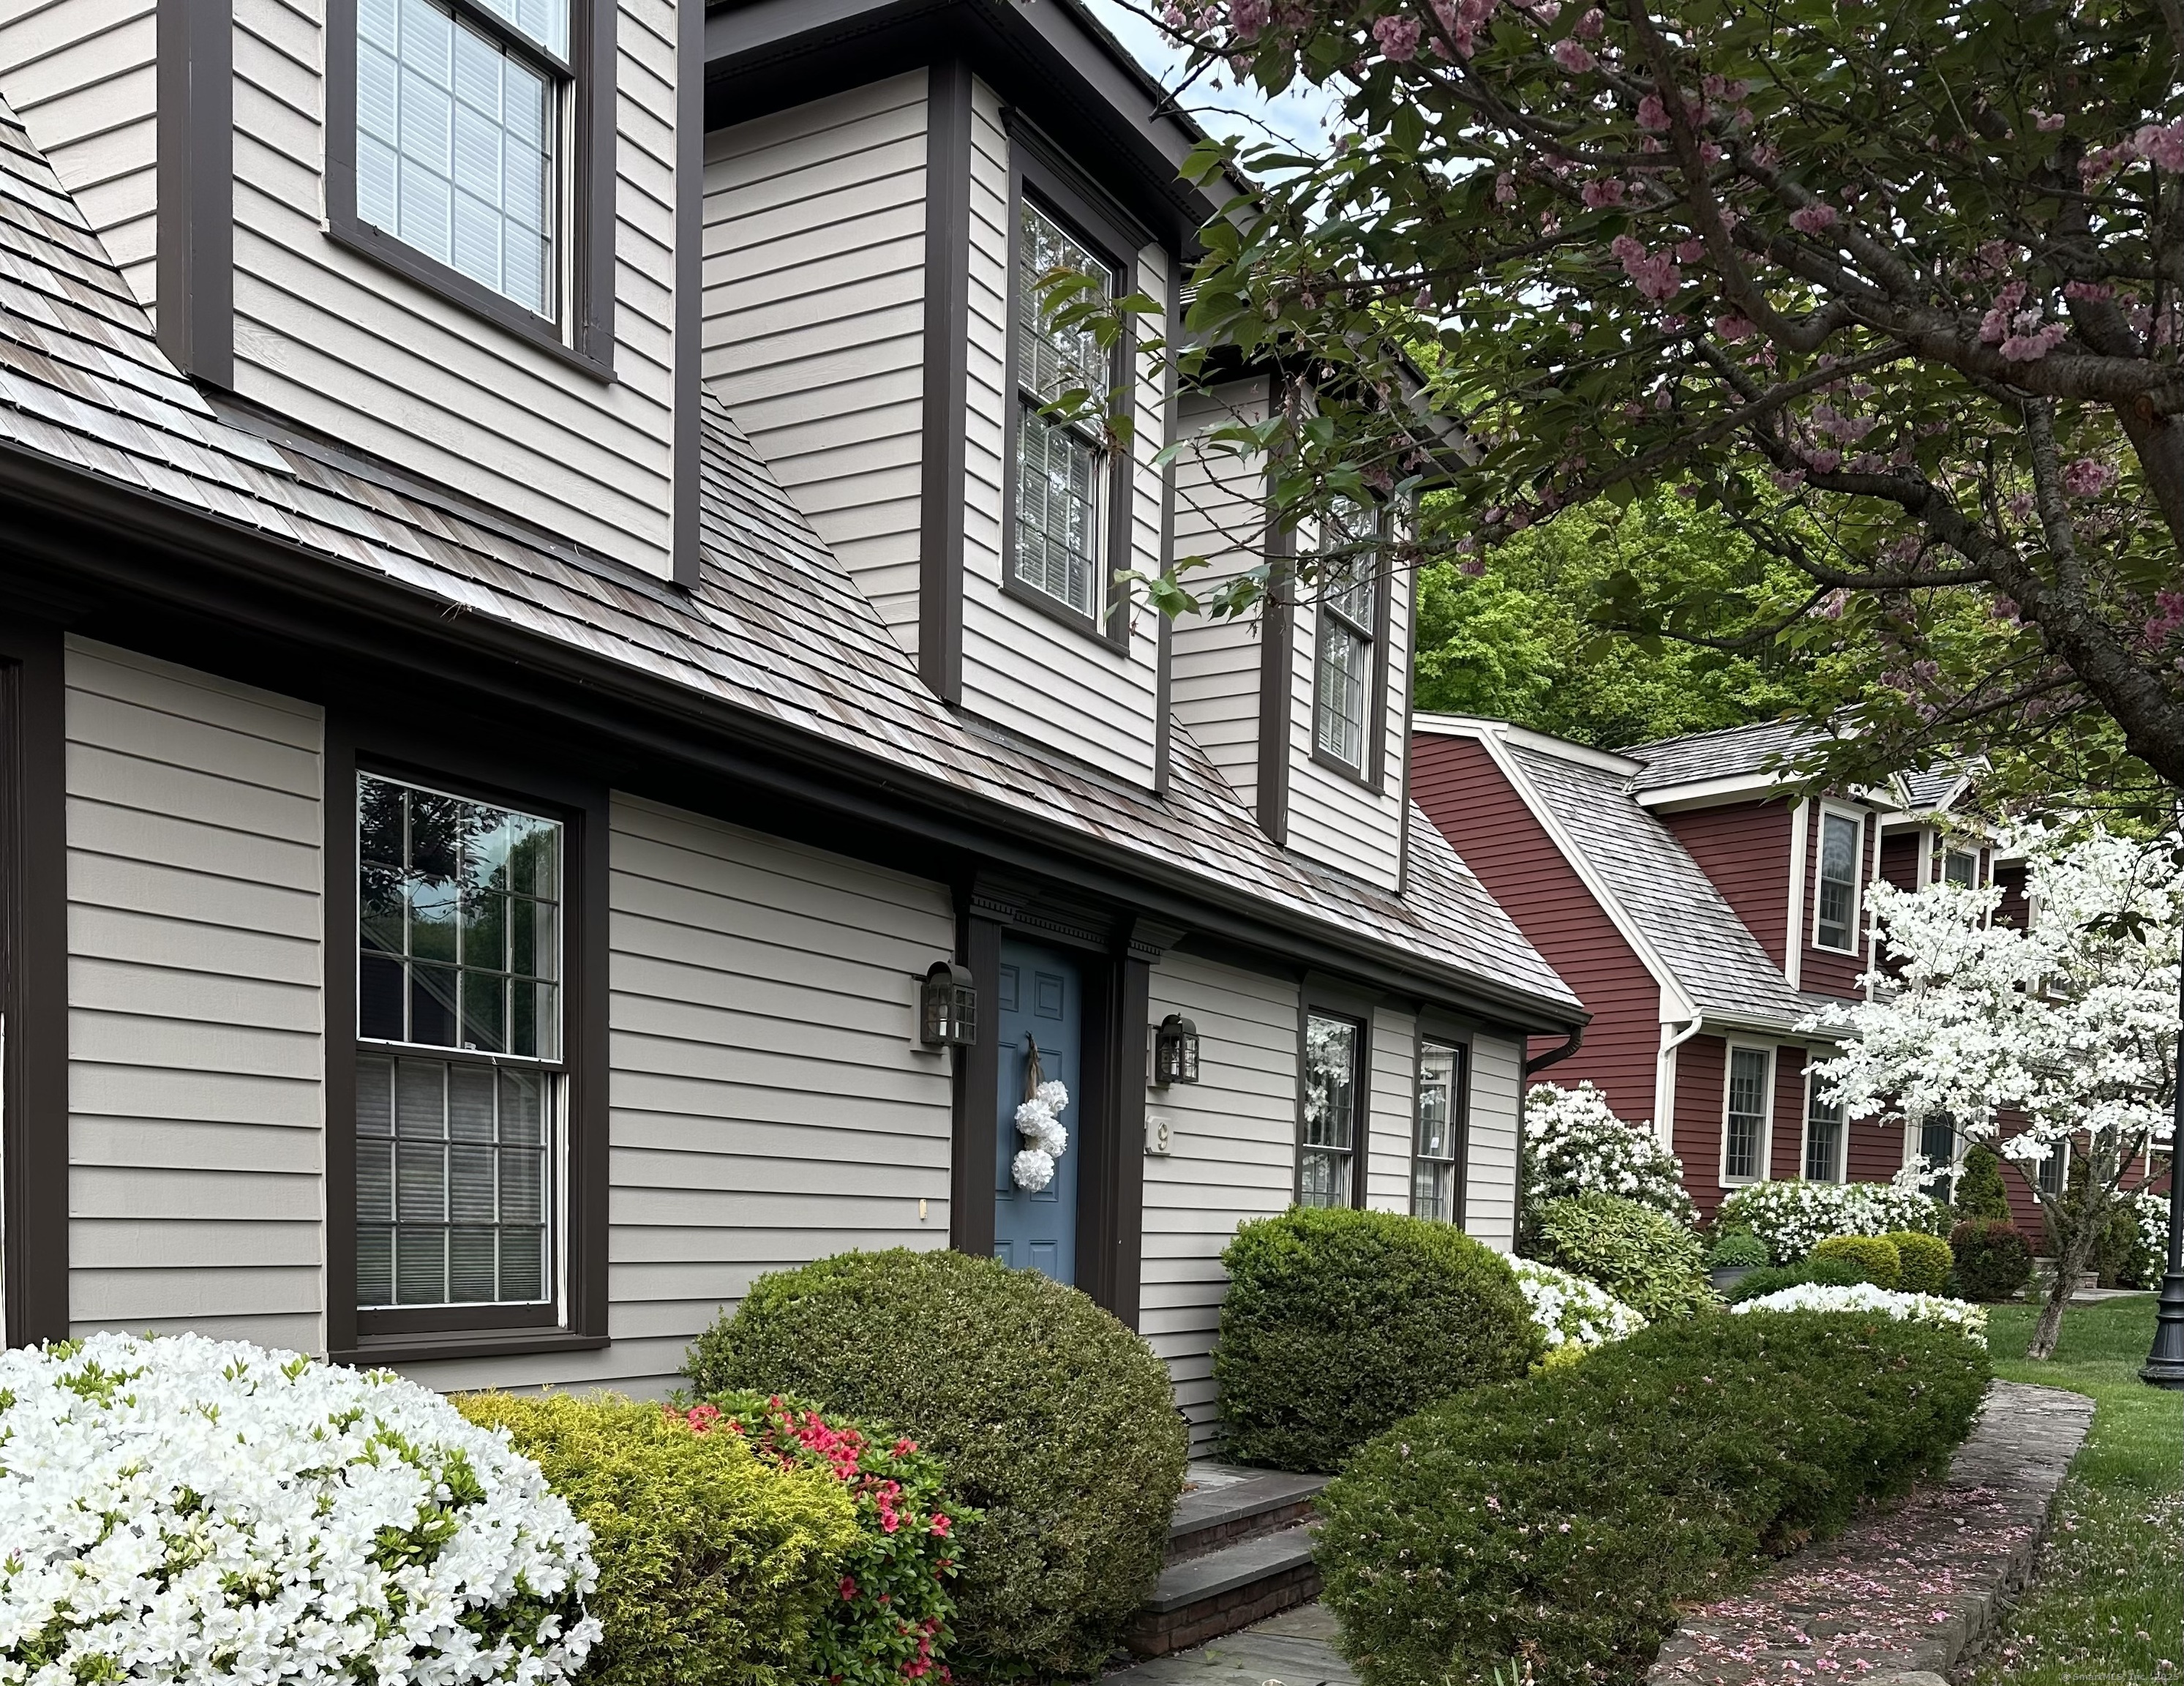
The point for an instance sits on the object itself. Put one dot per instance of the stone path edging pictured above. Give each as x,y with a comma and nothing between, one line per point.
1912,1590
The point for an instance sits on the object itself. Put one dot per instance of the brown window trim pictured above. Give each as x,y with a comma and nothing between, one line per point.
1319,1000
1374,729
1431,1027
415,1335
583,248
33,961
1036,165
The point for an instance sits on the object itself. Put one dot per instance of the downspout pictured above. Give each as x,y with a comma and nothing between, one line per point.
1554,1056
1664,1083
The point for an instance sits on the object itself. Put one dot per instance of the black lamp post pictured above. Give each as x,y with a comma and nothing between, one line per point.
2165,1364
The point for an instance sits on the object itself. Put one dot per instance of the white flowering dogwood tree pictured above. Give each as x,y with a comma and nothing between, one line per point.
2070,1020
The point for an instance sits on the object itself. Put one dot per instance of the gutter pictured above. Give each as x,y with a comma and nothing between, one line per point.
818,771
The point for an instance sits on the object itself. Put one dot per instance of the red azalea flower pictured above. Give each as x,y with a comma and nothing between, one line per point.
849,1590
941,1525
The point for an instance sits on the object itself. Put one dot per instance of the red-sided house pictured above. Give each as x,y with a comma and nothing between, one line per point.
1701,909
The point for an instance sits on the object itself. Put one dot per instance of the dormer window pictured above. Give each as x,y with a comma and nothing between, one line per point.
462,153
1836,921
1062,465
1345,688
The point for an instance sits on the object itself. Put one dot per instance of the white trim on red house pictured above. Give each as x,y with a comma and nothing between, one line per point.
1858,817
1730,1049
1793,944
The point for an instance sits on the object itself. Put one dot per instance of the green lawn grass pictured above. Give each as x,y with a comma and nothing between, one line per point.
2108,1607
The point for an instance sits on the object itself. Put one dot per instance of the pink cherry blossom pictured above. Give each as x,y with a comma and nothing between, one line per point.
1571,56
1248,17
1733,328
1812,219
1653,115
2161,146
2087,477
1598,195
1398,37
1592,25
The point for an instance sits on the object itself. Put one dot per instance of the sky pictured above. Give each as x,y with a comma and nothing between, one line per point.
1300,116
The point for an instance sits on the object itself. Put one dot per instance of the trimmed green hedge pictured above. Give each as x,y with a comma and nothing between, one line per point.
1926,1261
1833,1272
1651,1264
1052,1420
716,1567
1561,1518
1339,1322
1874,1257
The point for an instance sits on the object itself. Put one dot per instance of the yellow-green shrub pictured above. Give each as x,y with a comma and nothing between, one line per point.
714,1567
1874,1256
1926,1261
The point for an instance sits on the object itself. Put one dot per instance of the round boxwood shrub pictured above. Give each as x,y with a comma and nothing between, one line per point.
1339,1322
1875,1256
1993,1260
1652,1265
716,1568
1053,1421
1835,1273
1926,1261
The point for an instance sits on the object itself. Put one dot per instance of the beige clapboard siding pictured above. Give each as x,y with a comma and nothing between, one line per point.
1023,669
196,1005
815,316
1332,817
1394,1097
770,1103
1220,515
82,75
1489,1197
1233,1157
377,362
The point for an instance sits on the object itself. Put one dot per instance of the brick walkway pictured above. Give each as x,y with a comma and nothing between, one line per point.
1916,1588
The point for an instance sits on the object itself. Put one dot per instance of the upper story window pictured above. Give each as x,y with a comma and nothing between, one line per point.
1344,693
460,1049
1327,1152
1960,866
1436,1189
1063,467
463,152
1834,925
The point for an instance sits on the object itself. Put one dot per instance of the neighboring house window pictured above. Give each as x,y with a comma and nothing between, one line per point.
2054,1172
1349,631
1435,1184
1824,1136
1334,1057
460,1062
1061,467
1841,843
1961,866
1937,1146
1744,1123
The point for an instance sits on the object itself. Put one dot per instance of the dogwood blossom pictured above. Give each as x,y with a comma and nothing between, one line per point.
1574,1144
1790,1219
187,1509
1568,1310
1960,1315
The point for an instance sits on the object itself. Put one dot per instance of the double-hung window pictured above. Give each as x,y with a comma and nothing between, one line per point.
1745,1115
1327,1153
1824,1134
2053,1174
1436,1188
1937,1147
461,1066
1349,631
1062,465
1841,843
1960,866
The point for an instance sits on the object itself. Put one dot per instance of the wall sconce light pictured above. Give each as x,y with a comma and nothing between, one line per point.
948,1007
1175,1052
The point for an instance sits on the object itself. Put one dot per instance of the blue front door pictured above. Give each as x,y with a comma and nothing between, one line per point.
1041,998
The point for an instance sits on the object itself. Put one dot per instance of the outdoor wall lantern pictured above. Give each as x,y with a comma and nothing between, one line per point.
1175,1051
948,1007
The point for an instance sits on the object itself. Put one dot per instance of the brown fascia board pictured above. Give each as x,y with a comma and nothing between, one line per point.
1050,57
102,540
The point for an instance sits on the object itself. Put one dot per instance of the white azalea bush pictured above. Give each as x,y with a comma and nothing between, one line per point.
1570,1311
187,1510
1574,1144
1961,1316
1790,1219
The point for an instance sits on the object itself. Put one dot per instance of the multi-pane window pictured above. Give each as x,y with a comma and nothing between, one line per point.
1841,844
1061,467
1960,866
1744,1129
1937,1146
460,1021
2054,1171
458,121
1433,1164
1824,1135
1326,1159
1348,596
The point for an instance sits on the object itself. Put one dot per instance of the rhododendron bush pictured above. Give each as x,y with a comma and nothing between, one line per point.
187,1510
891,1620
1893,287
2069,1019
1575,1145
1790,1219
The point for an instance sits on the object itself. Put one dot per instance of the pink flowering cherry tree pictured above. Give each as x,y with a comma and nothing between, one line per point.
1897,289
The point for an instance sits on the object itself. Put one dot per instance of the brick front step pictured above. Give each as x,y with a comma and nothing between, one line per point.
1229,1587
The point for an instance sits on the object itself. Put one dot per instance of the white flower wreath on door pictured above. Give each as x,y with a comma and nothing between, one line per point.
1038,1121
